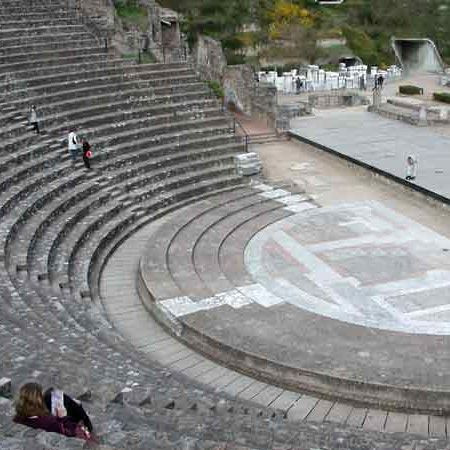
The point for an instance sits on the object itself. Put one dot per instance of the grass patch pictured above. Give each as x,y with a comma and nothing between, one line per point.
442,97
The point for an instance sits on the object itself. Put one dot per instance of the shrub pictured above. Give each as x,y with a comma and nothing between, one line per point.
217,89
442,96
132,14
408,89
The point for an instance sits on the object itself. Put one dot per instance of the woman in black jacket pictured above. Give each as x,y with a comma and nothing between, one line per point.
87,154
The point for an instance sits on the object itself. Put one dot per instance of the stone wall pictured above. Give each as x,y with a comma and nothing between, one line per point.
264,103
244,93
239,86
208,58
162,37
337,99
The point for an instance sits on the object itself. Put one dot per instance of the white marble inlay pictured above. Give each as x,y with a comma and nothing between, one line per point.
360,263
292,199
259,294
181,306
300,207
262,187
274,194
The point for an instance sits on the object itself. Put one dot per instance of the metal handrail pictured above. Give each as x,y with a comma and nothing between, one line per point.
246,137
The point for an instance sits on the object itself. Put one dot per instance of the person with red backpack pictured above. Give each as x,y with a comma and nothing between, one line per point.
87,154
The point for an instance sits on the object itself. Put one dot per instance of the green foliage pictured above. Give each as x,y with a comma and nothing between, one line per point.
367,24
361,44
409,89
132,14
216,88
442,97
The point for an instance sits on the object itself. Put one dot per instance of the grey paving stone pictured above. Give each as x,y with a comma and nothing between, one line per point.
418,423
356,417
268,396
211,376
253,390
238,385
302,408
375,420
438,426
199,369
320,411
191,360
339,413
285,400
225,378
396,422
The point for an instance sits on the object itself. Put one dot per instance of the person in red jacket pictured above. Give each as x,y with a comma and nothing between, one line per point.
32,411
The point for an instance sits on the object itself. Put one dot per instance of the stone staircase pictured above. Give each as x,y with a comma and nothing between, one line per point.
160,143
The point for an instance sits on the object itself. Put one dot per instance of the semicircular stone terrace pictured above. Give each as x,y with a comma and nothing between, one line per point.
160,143
347,301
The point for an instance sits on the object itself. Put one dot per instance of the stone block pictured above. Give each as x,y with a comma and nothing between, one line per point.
5,387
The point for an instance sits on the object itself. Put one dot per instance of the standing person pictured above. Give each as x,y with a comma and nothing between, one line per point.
380,81
411,168
34,121
70,419
298,84
74,145
87,154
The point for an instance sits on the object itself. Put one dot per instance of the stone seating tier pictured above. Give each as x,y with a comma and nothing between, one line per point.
33,47
101,125
60,224
50,63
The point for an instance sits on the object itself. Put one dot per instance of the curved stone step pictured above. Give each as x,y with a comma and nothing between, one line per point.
133,93
12,32
58,260
123,308
152,208
32,47
43,65
122,68
56,124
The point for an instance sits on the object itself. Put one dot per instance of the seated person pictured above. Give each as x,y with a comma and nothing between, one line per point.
33,410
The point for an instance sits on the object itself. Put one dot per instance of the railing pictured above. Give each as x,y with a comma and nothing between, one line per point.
245,137
162,53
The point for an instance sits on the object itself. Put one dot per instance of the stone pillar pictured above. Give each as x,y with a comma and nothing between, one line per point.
422,117
376,98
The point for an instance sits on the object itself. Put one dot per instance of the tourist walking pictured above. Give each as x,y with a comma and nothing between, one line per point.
34,120
380,81
53,411
87,154
74,145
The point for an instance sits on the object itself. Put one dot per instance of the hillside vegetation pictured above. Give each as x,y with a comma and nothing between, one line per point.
292,28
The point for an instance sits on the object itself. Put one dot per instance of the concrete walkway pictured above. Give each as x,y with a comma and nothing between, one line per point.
383,144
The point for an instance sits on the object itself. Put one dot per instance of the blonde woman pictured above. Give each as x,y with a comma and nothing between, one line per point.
32,410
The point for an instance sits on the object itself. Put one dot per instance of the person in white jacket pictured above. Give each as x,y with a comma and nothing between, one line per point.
74,145
34,120
411,167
